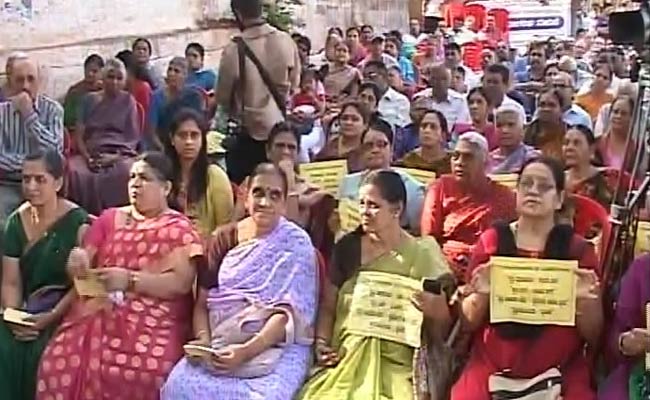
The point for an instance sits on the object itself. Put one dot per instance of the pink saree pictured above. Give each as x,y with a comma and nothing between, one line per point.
104,350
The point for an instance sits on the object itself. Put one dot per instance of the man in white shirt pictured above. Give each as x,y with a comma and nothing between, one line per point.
450,103
393,106
453,60
376,53
496,81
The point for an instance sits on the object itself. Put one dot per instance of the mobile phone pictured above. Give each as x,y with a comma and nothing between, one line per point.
432,286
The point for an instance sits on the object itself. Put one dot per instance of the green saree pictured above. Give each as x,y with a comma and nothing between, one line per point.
41,264
372,368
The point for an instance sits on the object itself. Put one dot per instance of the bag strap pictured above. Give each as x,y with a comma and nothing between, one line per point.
266,78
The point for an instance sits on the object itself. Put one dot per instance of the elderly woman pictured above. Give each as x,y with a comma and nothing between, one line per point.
367,366
123,345
377,143
546,133
521,352
262,271
39,236
200,190
107,136
431,155
512,153
460,206
168,100
611,145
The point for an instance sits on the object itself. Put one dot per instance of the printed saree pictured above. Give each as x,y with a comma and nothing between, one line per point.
126,349
257,278
372,368
42,264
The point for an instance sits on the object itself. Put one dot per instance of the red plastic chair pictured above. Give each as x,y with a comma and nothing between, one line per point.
588,213
479,12
472,55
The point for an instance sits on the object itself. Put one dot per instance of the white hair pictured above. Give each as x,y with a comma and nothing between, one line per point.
511,109
114,64
477,140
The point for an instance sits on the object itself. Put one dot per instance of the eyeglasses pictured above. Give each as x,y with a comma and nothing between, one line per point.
527,184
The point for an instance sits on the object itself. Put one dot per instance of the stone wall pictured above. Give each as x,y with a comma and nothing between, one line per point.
62,33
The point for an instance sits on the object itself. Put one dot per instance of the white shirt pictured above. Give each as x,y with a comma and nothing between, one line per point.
395,108
455,108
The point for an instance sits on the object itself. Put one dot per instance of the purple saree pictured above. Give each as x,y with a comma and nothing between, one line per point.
276,273
110,127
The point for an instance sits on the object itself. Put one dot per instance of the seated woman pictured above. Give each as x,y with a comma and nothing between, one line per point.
262,271
480,109
138,81
629,338
407,138
598,94
168,100
431,155
91,83
342,79
611,145
38,238
124,345
522,351
346,143
107,136
582,177
512,153
201,191
546,133
460,206
366,367
377,144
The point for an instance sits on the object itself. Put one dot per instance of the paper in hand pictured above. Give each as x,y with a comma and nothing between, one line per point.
17,317
90,286
194,350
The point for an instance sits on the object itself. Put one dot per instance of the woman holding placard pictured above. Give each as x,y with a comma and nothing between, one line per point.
511,357
364,365
38,238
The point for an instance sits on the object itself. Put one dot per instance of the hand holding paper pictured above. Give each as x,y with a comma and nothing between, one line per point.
588,286
90,286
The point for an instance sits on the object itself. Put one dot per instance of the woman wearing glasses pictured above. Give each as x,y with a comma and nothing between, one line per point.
460,206
523,351
377,152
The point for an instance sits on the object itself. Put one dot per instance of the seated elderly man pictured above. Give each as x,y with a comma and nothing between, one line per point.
460,206
512,153
28,121
5,89
574,115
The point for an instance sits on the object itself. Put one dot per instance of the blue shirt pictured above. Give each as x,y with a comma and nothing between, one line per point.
406,67
406,139
205,79
162,111
576,115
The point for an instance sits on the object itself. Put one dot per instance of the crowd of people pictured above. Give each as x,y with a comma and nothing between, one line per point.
235,250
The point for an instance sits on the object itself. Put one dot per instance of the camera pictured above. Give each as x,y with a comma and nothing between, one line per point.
631,27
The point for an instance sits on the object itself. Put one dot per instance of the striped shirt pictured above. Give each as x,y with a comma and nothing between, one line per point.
19,136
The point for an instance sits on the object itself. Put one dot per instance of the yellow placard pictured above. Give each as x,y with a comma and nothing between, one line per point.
349,216
533,291
642,238
17,317
90,286
325,174
508,180
423,176
381,307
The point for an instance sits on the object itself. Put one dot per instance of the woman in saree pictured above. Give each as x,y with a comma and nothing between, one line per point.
91,83
256,305
431,155
38,237
546,133
460,206
480,109
629,337
107,136
611,145
342,79
346,143
358,366
168,100
524,351
377,145
123,346
598,94
200,190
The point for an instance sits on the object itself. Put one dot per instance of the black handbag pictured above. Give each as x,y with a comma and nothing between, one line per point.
236,127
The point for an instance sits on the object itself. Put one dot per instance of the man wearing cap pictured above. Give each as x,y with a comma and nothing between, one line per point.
512,153
376,53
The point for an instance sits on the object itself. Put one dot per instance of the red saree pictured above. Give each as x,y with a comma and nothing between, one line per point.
107,351
457,218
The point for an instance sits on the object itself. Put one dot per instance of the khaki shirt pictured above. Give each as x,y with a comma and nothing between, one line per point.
278,54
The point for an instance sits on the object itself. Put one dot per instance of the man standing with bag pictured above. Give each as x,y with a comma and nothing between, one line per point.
259,71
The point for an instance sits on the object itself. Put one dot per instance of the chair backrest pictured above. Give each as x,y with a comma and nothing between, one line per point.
589,213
